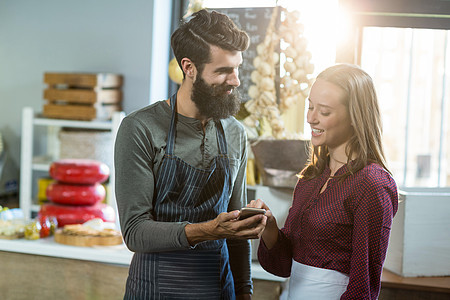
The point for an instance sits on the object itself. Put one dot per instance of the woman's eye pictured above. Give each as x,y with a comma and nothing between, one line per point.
325,114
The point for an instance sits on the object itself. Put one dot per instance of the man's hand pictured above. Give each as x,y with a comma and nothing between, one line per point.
226,225
244,297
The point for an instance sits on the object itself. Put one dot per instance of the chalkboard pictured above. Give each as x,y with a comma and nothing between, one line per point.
254,21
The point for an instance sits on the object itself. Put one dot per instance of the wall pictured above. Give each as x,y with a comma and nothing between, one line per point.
77,36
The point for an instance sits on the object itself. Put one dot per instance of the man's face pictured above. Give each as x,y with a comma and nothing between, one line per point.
214,90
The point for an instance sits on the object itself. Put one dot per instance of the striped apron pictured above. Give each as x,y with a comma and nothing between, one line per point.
186,193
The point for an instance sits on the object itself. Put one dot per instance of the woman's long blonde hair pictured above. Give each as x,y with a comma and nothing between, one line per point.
362,104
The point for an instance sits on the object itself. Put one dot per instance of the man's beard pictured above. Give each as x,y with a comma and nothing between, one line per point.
213,101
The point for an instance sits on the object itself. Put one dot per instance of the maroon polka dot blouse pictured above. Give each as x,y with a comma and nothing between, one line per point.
345,228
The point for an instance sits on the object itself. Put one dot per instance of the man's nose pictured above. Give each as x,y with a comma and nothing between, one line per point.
233,79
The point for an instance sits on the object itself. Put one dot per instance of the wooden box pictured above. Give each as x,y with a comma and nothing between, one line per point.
420,238
84,80
82,96
79,112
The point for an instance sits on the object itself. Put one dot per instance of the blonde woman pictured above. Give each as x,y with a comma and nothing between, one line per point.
333,244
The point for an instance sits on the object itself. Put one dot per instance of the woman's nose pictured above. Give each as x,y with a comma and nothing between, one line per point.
310,116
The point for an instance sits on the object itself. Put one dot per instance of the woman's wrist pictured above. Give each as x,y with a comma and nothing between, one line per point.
270,234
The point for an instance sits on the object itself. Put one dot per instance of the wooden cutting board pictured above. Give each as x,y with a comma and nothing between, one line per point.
11,237
86,241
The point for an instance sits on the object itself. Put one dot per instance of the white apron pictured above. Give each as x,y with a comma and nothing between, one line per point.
307,282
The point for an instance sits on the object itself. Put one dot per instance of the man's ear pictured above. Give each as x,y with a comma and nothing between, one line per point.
188,68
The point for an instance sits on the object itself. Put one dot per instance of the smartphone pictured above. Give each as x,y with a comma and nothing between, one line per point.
250,211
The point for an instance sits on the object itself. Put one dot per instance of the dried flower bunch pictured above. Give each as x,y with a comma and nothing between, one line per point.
294,84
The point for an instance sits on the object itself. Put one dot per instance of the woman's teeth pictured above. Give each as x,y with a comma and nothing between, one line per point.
317,130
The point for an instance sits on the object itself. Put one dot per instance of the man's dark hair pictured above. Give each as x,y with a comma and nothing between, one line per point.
193,38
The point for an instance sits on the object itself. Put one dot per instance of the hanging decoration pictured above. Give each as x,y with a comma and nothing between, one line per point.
287,43
194,6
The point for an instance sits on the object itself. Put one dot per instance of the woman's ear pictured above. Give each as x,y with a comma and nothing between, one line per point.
188,67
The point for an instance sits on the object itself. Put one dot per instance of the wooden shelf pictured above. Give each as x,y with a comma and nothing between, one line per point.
106,125
429,284
40,162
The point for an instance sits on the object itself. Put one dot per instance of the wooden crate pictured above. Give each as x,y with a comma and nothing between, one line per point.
80,112
86,80
82,96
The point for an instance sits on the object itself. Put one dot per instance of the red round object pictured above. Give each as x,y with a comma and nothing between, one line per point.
75,194
45,226
79,171
68,214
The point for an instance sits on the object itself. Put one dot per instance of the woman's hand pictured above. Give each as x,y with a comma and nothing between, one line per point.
258,203
270,234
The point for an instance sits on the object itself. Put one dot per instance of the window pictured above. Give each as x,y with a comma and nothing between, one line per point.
410,71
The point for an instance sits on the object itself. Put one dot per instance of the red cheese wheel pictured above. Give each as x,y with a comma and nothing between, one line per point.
69,214
79,171
75,194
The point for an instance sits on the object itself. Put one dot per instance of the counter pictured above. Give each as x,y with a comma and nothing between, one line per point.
48,247
119,254
44,269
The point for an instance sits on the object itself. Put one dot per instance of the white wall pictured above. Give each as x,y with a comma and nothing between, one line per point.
77,36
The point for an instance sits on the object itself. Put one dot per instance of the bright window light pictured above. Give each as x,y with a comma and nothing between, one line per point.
322,19
323,25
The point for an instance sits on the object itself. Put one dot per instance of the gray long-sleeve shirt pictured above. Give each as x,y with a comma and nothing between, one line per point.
139,149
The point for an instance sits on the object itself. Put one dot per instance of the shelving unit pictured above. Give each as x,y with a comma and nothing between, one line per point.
34,162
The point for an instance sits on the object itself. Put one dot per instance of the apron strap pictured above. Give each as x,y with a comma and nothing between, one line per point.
221,140
172,131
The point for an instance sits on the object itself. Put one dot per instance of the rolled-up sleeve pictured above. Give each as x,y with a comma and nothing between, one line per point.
135,188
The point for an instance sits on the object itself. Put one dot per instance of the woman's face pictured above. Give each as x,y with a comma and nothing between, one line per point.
328,116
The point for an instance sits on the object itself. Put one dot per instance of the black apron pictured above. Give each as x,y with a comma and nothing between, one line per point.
186,193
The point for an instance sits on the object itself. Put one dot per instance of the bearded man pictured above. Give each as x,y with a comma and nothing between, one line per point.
180,175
